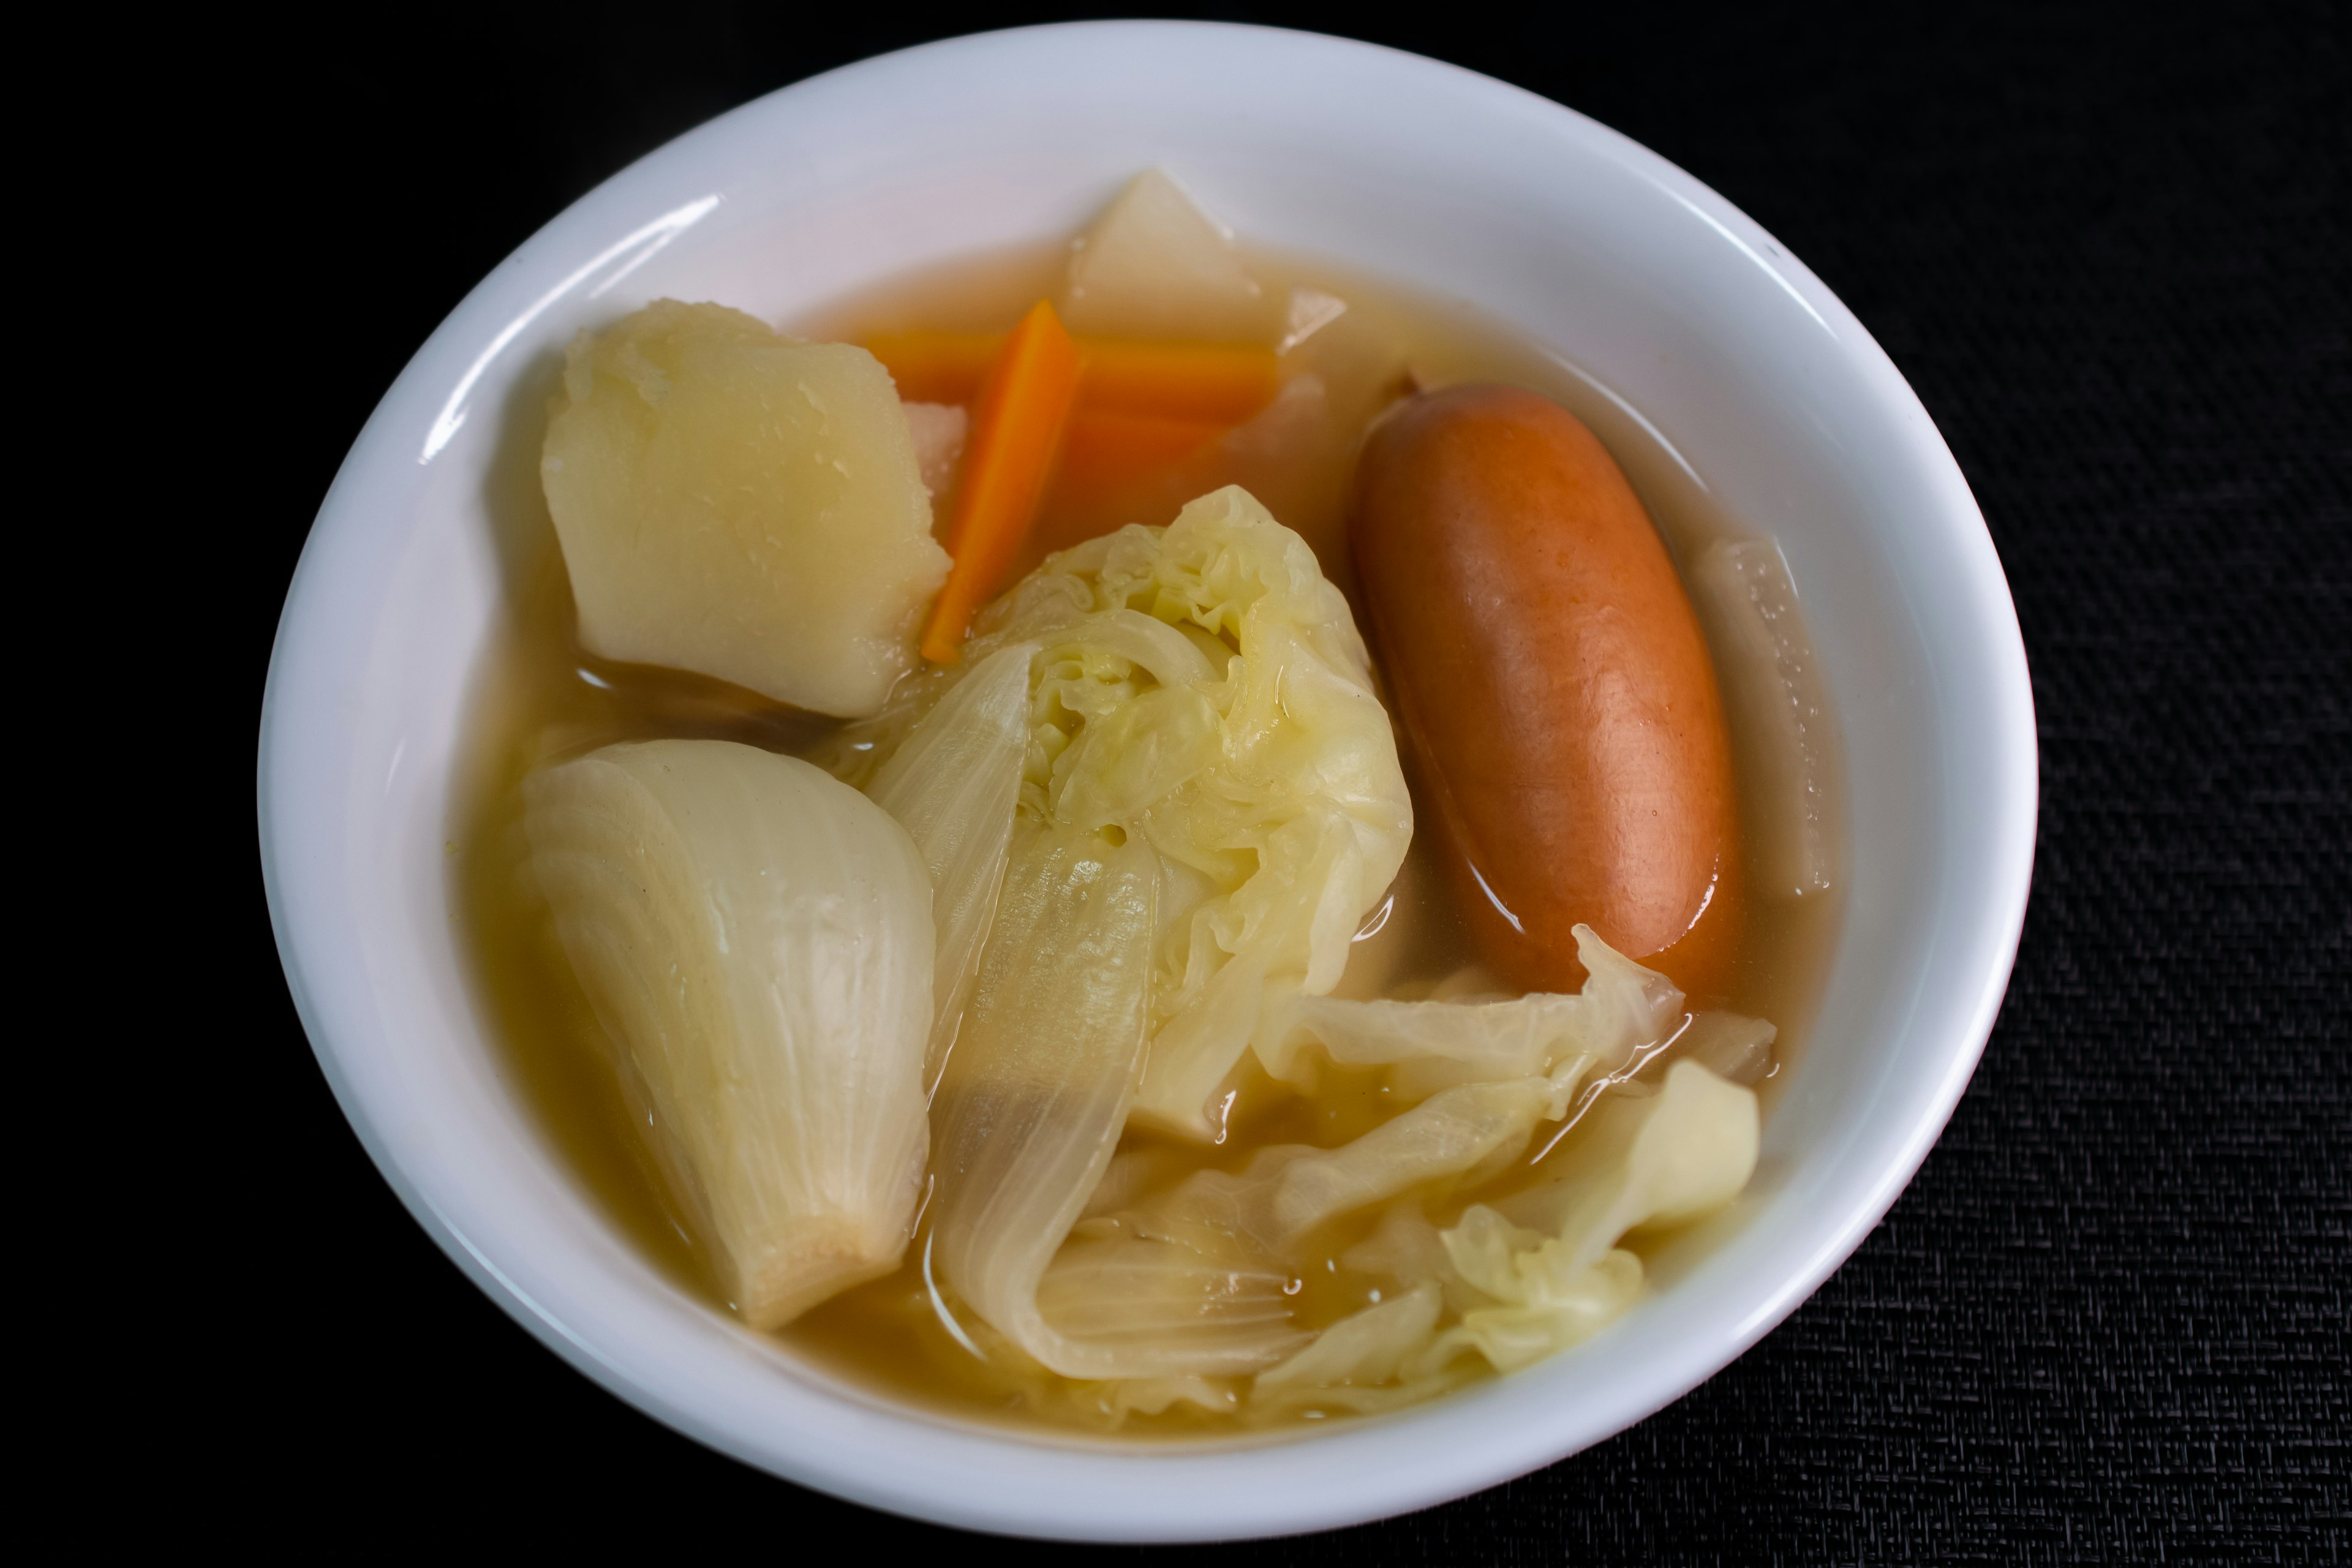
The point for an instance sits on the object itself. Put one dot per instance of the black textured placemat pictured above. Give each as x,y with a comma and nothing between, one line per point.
2111,251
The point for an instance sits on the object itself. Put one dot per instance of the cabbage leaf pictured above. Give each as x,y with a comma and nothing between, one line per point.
1543,1269
1203,689
1622,1008
1270,772
1366,1349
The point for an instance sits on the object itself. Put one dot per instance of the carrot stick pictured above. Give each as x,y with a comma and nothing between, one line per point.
1103,450
1215,384
1113,469
1017,428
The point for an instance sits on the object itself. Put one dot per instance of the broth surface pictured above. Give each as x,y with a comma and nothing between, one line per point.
540,699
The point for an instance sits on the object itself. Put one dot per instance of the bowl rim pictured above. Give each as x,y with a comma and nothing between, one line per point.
1026,1506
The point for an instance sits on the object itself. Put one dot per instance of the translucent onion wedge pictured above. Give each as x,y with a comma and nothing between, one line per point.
1163,1309
1031,1104
953,785
756,939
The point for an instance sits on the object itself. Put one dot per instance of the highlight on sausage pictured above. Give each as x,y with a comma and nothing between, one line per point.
1555,686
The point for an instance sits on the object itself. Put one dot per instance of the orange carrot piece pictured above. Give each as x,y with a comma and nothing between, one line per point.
937,367
1104,451
1017,429
1113,469
1213,384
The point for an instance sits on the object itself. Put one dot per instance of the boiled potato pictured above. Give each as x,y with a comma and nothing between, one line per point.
938,429
1155,265
738,504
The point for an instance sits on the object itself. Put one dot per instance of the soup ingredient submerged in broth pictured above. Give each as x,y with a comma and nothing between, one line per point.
1155,265
954,785
740,505
1208,804
1153,799
1562,706
1017,428
756,940
1201,688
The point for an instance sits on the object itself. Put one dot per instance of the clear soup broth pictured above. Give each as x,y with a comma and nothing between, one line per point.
541,698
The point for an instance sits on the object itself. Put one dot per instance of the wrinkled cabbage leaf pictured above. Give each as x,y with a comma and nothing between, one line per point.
1542,1270
1203,689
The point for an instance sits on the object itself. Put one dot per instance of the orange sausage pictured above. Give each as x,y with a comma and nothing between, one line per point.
1555,688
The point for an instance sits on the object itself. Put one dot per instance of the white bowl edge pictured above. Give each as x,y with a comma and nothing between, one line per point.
397,587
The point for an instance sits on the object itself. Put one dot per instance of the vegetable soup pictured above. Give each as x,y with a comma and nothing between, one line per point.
1144,835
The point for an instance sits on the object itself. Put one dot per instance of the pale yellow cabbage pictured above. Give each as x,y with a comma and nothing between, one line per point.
1365,1350
1545,1300
740,504
1205,688
756,940
1622,1008
1693,1147
1195,1272
1208,800
1541,1270
1288,1193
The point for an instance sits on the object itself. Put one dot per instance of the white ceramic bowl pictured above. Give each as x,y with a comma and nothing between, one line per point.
1738,357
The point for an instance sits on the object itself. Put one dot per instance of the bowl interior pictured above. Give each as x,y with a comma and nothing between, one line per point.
1736,357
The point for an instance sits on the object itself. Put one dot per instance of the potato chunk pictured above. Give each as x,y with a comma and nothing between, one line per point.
1155,265
738,504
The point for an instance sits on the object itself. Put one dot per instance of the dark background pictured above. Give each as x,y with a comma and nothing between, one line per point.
2111,251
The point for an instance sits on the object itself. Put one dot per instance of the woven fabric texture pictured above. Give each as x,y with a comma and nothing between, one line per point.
2106,1323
